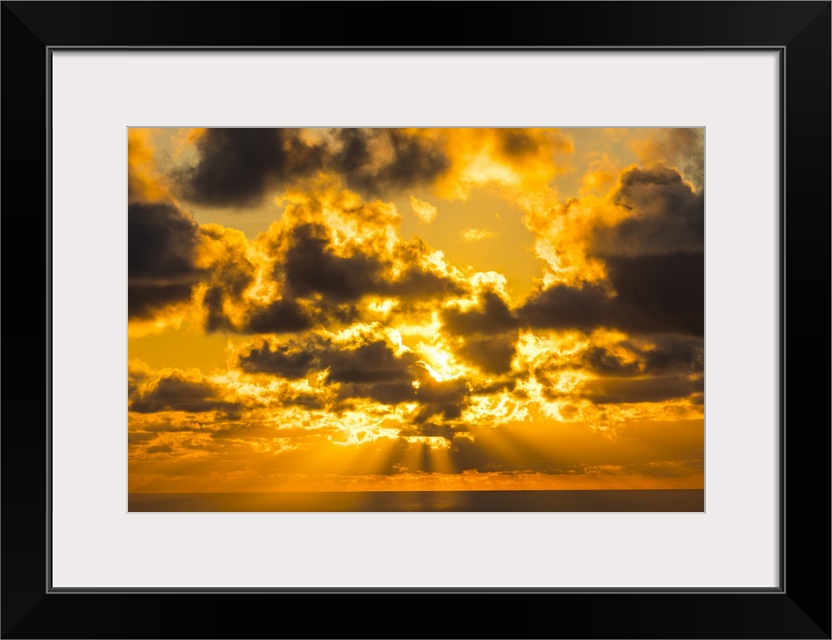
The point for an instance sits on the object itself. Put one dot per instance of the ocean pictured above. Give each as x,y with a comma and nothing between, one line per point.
676,500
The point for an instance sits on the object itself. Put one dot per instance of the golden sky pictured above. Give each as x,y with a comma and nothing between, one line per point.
415,309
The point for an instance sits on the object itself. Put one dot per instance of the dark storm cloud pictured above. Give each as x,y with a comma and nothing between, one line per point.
665,355
661,293
655,294
668,217
491,353
236,167
655,389
673,354
416,283
655,264
281,316
488,332
368,369
371,363
492,316
291,360
311,267
412,160
161,248
160,448
604,362
488,388
137,437
176,393
386,392
564,307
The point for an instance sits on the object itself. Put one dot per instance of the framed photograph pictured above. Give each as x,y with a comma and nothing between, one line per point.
492,312
318,339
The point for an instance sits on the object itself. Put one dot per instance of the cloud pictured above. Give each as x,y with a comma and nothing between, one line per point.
475,235
237,167
364,358
650,355
654,261
365,363
491,316
683,148
368,368
312,266
488,332
653,389
377,161
666,216
160,448
161,251
490,353
177,392
653,294
440,397
518,163
136,438
292,359
315,267
240,167
143,182
280,316
425,211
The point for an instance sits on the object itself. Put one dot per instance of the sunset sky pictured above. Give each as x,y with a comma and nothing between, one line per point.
415,309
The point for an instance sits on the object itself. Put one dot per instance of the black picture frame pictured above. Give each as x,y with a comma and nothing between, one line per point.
799,608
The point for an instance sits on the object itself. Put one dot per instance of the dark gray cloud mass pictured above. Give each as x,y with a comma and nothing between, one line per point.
655,294
489,332
668,217
176,393
311,267
666,354
653,389
492,316
161,248
369,369
281,316
237,166
491,353
655,262
413,160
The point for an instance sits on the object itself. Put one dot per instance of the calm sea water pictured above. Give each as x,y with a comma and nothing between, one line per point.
387,501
